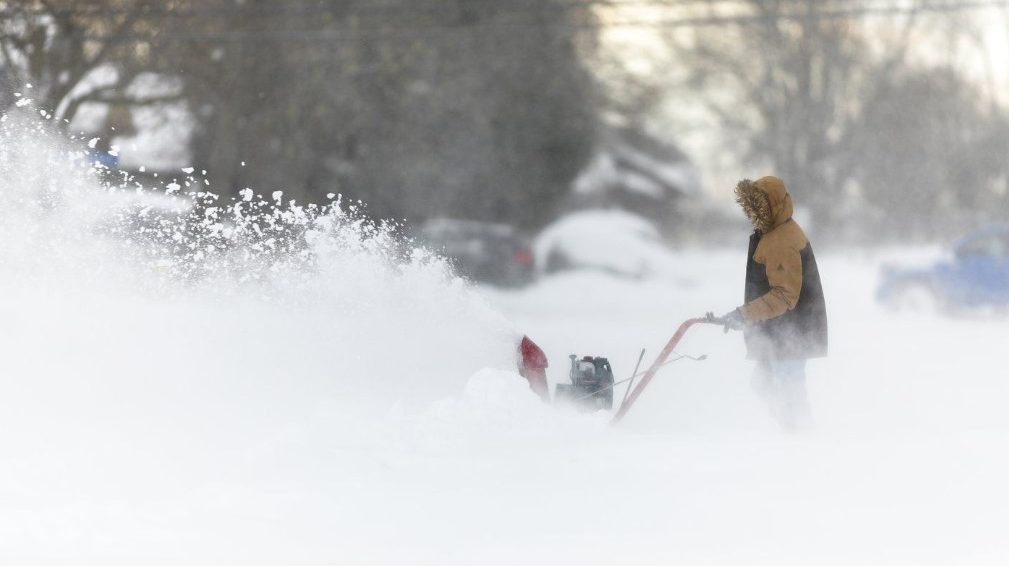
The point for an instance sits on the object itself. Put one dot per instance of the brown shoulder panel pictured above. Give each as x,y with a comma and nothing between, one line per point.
780,253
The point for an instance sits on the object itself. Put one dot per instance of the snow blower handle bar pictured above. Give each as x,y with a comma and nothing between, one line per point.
709,318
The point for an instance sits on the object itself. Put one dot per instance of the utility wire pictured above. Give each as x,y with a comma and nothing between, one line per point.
384,8
512,6
364,32
396,31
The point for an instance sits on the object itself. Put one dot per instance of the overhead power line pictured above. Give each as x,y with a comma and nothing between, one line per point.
362,32
294,8
839,8
829,14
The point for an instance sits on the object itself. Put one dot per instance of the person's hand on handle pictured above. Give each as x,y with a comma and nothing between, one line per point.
733,320
730,321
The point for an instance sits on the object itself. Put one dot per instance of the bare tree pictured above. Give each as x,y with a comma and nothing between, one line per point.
831,101
57,45
929,155
783,83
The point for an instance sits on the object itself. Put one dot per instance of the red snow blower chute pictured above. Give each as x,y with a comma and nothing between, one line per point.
592,383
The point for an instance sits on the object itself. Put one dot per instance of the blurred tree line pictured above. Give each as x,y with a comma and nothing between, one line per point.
476,108
836,98
489,109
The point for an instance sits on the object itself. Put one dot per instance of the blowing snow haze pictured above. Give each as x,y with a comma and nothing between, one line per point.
265,268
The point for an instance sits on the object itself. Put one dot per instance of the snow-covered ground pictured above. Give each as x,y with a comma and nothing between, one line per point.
363,409
906,464
208,433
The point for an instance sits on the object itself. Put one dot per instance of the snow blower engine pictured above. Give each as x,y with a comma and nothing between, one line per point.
591,387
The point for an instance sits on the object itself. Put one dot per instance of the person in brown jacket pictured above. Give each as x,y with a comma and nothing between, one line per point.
784,318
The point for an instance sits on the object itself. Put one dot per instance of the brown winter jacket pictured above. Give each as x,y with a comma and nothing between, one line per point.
785,310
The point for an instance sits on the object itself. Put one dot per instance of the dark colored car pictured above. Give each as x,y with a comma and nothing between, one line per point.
481,251
976,276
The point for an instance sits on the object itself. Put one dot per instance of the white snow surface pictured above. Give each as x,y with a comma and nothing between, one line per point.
362,408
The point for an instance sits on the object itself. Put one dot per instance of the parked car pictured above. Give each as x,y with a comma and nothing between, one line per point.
107,159
616,242
485,252
977,275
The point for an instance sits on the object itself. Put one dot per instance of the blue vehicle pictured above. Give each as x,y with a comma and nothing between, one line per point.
106,158
976,276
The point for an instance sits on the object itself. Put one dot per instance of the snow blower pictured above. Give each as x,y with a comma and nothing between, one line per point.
592,383
591,387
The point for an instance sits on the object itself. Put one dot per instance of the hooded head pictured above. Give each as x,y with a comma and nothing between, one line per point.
765,202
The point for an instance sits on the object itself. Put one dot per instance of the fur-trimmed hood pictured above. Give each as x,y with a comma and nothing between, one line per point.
765,202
